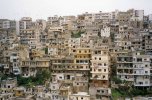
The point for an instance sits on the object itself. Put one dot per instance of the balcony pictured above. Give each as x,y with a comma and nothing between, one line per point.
103,92
140,85
6,66
100,66
124,67
101,61
68,81
124,62
124,73
98,78
100,72
87,58
142,74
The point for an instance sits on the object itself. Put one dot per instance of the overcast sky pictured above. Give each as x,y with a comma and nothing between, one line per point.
15,9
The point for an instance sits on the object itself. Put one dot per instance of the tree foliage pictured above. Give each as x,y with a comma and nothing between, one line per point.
112,37
116,80
40,79
46,50
76,35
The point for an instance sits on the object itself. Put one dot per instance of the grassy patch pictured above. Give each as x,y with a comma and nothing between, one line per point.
130,92
116,94
76,35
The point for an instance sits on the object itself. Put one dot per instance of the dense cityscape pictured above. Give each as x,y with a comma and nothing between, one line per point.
91,56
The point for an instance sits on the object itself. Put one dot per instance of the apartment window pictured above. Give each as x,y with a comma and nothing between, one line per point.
98,91
68,77
104,70
86,61
105,64
135,66
146,82
79,51
146,71
139,59
77,61
104,53
100,64
81,67
99,58
102,91
99,70
14,60
14,64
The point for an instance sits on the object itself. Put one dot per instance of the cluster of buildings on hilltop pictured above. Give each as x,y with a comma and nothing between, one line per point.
79,51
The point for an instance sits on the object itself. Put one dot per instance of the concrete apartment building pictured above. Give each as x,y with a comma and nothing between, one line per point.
53,21
125,66
136,19
136,42
30,37
70,72
105,31
146,43
6,24
25,23
7,87
29,33
31,67
62,78
100,71
72,44
55,40
11,59
79,96
82,61
123,18
142,69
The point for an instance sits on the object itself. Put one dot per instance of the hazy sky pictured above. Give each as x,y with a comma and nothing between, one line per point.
15,9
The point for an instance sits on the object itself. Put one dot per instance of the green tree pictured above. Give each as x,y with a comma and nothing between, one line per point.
40,79
77,34
42,76
46,50
116,80
112,36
